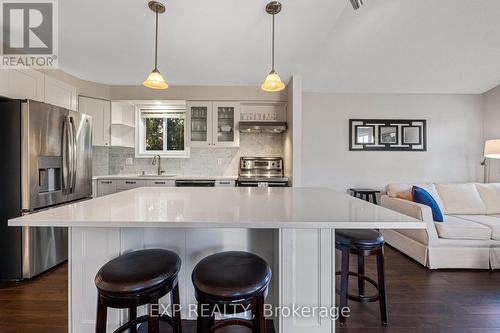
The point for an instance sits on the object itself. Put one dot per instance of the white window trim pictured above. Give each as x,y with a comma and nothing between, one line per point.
140,151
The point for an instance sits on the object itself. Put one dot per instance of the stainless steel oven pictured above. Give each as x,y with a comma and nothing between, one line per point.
261,172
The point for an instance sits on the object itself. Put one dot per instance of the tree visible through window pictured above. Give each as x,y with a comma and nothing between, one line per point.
175,134
154,134
162,131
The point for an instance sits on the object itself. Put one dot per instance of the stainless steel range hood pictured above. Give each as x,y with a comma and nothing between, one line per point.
263,126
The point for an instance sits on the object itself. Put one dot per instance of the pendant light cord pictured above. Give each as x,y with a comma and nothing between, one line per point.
273,43
156,41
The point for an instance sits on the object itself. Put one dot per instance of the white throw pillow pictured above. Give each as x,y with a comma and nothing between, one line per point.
403,191
461,199
490,193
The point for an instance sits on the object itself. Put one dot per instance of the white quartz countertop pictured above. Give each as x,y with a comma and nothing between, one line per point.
238,207
155,177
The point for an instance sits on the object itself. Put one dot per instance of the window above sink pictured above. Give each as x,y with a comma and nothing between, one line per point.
161,130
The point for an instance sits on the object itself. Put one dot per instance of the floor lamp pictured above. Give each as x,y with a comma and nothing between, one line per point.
491,150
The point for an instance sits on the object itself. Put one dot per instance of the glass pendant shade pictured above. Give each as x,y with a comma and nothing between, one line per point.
273,83
155,81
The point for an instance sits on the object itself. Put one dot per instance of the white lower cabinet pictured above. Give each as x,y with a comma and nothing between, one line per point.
225,183
110,186
161,183
128,184
105,187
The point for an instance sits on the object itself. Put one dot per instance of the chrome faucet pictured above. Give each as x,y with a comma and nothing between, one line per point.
160,171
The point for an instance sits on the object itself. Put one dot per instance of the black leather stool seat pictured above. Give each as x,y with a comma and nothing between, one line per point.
359,238
230,275
138,272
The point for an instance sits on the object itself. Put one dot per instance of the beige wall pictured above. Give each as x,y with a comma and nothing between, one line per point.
455,140
492,127
196,93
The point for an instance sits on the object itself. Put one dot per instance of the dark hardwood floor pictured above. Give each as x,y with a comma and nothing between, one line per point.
420,300
38,306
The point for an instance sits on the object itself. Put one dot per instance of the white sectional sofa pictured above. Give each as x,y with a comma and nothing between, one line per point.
469,237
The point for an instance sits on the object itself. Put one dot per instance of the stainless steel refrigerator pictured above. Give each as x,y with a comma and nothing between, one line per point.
46,161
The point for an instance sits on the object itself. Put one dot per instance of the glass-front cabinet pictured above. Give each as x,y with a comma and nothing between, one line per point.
214,124
226,118
200,130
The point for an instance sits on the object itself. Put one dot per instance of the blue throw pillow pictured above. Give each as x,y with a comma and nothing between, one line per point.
423,197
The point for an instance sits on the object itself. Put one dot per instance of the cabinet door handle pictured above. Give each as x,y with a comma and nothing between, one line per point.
128,182
106,182
160,183
225,183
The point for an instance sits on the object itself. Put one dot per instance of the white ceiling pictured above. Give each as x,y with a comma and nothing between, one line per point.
388,46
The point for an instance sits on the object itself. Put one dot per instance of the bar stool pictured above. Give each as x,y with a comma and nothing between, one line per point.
231,282
135,279
362,243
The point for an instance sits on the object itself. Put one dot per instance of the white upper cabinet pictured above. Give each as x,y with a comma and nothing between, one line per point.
200,124
122,124
60,93
213,124
226,117
22,84
100,110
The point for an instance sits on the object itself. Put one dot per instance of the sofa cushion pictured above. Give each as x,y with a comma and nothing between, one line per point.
461,199
457,228
404,191
489,221
423,197
490,194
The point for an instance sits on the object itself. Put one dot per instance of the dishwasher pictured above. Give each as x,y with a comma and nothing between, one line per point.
195,183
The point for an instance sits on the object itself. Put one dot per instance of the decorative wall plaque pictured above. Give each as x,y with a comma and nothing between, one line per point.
387,134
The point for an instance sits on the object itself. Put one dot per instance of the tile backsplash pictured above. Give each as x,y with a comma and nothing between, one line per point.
202,162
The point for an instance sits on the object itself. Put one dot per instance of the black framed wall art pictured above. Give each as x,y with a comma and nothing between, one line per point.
387,135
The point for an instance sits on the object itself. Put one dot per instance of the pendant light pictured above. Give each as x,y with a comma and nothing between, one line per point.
155,80
273,81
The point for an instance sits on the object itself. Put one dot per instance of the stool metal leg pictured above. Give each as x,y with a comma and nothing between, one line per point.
102,312
361,275
344,283
381,287
132,314
176,314
154,319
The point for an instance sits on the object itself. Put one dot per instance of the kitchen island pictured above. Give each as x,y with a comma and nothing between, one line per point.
292,228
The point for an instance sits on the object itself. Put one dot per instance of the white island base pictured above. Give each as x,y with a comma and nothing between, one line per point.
292,228
302,262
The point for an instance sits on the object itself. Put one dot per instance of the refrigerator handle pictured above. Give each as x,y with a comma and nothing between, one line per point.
71,146
74,162
66,155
